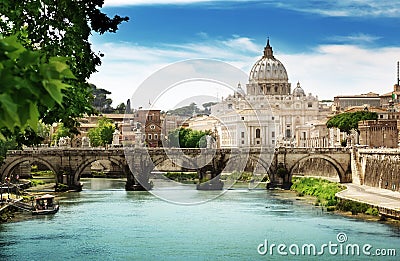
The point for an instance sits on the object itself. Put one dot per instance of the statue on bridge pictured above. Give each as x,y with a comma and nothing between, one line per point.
85,142
64,142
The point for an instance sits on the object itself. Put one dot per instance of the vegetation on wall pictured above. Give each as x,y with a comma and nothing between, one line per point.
324,190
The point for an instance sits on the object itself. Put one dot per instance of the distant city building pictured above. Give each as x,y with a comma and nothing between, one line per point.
149,122
146,122
379,133
343,102
269,111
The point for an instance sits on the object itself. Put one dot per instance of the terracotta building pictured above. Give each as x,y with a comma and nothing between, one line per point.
379,133
150,121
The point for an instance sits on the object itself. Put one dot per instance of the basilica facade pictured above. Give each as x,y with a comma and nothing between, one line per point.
269,112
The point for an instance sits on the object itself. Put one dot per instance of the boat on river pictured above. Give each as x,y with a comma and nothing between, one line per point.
45,205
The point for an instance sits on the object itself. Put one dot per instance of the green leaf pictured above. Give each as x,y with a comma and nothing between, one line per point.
54,88
34,116
9,107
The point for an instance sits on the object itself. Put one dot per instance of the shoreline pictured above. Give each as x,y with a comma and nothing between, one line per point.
15,216
335,209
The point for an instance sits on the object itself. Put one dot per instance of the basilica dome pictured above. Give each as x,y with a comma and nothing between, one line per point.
298,91
268,69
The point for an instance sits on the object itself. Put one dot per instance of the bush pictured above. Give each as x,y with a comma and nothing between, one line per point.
324,190
372,211
181,176
36,182
354,207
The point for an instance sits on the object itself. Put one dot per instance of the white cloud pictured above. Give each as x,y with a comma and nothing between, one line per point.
126,66
337,8
355,38
109,3
328,71
344,69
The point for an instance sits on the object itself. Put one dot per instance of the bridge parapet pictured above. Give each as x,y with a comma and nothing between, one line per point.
278,163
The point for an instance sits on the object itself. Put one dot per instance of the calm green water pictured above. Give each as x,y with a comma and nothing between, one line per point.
104,222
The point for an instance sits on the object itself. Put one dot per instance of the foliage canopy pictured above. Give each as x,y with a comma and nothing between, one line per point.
103,133
28,81
49,30
188,138
349,120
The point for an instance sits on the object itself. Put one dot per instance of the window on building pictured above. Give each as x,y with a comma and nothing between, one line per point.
381,116
229,106
276,89
242,134
156,136
258,133
273,134
149,136
242,141
309,104
288,134
258,142
242,118
273,118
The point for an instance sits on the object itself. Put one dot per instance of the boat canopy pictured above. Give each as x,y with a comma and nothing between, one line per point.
47,196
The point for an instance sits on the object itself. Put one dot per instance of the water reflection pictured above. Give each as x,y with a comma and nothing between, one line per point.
113,224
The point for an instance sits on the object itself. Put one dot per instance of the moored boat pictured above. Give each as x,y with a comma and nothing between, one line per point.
45,205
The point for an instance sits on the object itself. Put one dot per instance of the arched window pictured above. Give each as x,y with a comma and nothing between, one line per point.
258,133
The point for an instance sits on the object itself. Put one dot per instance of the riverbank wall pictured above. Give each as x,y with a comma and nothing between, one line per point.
379,168
385,209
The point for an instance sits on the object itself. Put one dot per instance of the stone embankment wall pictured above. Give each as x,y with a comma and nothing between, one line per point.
377,168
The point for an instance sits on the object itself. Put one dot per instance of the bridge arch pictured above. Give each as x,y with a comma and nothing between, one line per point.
335,164
254,158
9,168
161,158
82,166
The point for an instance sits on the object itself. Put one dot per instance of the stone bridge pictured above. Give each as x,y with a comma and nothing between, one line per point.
137,163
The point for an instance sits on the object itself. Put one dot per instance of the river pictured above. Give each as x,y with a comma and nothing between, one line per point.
105,222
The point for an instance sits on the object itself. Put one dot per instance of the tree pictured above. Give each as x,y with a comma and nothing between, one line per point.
207,107
185,110
349,120
103,133
100,101
121,108
60,29
188,138
28,80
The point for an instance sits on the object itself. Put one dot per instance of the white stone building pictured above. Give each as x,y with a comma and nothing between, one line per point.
269,112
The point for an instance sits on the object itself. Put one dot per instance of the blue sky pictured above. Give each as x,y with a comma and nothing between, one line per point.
331,47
